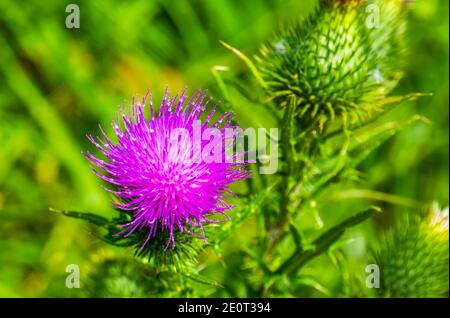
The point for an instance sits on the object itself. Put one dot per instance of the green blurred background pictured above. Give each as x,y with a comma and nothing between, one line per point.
57,84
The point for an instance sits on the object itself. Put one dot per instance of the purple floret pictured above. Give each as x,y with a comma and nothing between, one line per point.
166,185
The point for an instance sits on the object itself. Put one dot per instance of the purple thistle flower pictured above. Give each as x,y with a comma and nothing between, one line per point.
166,183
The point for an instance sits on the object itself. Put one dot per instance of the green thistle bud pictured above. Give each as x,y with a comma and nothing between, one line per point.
183,255
413,257
341,61
155,252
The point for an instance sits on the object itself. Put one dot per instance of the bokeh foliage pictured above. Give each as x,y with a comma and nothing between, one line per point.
57,84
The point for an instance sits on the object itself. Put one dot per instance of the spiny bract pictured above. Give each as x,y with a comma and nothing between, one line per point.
413,257
166,184
339,61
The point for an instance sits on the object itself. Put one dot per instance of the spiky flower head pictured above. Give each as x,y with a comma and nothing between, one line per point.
413,257
340,61
162,170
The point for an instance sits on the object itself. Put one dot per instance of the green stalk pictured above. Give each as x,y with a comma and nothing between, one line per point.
320,245
288,156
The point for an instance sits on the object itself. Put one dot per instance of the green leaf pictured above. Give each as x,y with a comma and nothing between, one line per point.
247,61
311,282
374,195
297,237
87,216
323,242
201,279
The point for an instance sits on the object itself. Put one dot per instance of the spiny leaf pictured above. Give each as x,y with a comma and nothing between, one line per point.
247,61
330,236
155,252
311,282
373,195
242,212
201,279
87,216
323,242
297,237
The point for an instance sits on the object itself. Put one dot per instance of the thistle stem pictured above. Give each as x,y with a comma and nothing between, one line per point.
288,155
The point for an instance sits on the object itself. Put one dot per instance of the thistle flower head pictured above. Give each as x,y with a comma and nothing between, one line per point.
413,257
339,61
159,170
